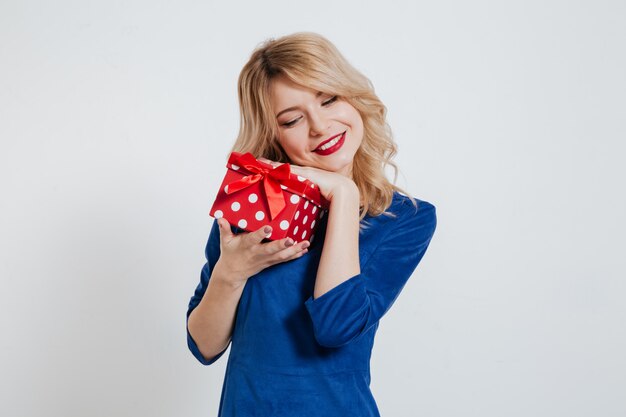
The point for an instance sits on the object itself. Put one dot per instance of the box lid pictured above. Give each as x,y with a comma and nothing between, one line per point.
248,165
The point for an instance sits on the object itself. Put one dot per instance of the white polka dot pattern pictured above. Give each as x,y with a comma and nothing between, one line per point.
297,220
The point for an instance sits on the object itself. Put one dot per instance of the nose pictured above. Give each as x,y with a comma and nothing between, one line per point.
318,124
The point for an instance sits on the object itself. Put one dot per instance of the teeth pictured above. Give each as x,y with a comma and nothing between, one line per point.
331,143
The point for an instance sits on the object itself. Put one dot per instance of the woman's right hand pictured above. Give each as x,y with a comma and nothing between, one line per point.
244,255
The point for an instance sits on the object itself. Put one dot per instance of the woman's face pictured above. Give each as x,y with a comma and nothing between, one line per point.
308,120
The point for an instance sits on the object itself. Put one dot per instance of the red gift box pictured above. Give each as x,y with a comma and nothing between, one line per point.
255,193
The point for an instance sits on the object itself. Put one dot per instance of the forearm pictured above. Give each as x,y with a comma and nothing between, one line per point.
340,256
211,322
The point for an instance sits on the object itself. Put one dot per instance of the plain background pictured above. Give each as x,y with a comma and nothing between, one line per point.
115,121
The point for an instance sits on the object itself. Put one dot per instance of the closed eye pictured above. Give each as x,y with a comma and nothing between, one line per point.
330,101
291,123
325,103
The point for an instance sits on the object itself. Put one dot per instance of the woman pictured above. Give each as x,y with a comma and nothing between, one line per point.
302,320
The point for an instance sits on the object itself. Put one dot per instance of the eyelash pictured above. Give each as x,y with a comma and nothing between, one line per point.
325,103
330,100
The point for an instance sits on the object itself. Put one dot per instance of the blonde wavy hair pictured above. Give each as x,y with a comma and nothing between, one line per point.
308,59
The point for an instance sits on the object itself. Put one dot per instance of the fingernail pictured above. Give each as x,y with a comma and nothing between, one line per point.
289,242
305,245
267,229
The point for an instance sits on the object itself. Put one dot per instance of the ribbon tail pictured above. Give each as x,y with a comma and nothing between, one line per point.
274,196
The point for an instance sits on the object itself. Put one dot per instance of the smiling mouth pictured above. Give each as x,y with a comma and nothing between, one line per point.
329,143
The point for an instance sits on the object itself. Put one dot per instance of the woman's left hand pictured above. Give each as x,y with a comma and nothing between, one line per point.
329,183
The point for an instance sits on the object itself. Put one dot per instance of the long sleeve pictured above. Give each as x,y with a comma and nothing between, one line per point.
212,254
350,309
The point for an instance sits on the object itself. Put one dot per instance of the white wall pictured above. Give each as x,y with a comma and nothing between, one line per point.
115,119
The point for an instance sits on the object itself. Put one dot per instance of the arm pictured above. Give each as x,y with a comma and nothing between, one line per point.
350,309
231,260
211,323
340,254
211,312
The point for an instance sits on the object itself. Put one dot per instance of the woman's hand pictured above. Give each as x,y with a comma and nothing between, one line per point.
244,255
329,183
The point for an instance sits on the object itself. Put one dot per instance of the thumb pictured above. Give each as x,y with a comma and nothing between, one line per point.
225,231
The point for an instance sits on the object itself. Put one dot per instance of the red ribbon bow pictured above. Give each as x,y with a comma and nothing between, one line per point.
271,177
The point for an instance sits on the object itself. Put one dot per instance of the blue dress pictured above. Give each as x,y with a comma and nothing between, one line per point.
292,355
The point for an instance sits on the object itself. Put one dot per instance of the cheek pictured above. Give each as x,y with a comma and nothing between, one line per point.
358,120
287,143
352,114
293,139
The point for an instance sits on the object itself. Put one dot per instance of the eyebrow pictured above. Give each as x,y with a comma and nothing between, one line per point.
319,93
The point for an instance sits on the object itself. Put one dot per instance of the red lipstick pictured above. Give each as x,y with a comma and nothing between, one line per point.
332,149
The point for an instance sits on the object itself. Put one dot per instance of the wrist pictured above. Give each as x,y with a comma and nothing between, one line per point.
225,276
348,190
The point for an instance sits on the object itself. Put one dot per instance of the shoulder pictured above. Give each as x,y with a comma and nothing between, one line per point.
412,218
406,207
404,231
402,210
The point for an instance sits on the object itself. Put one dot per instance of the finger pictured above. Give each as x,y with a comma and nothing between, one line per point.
258,235
290,253
276,246
274,164
267,161
296,255
285,243
300,171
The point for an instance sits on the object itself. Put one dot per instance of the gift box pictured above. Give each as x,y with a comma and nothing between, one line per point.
254,193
